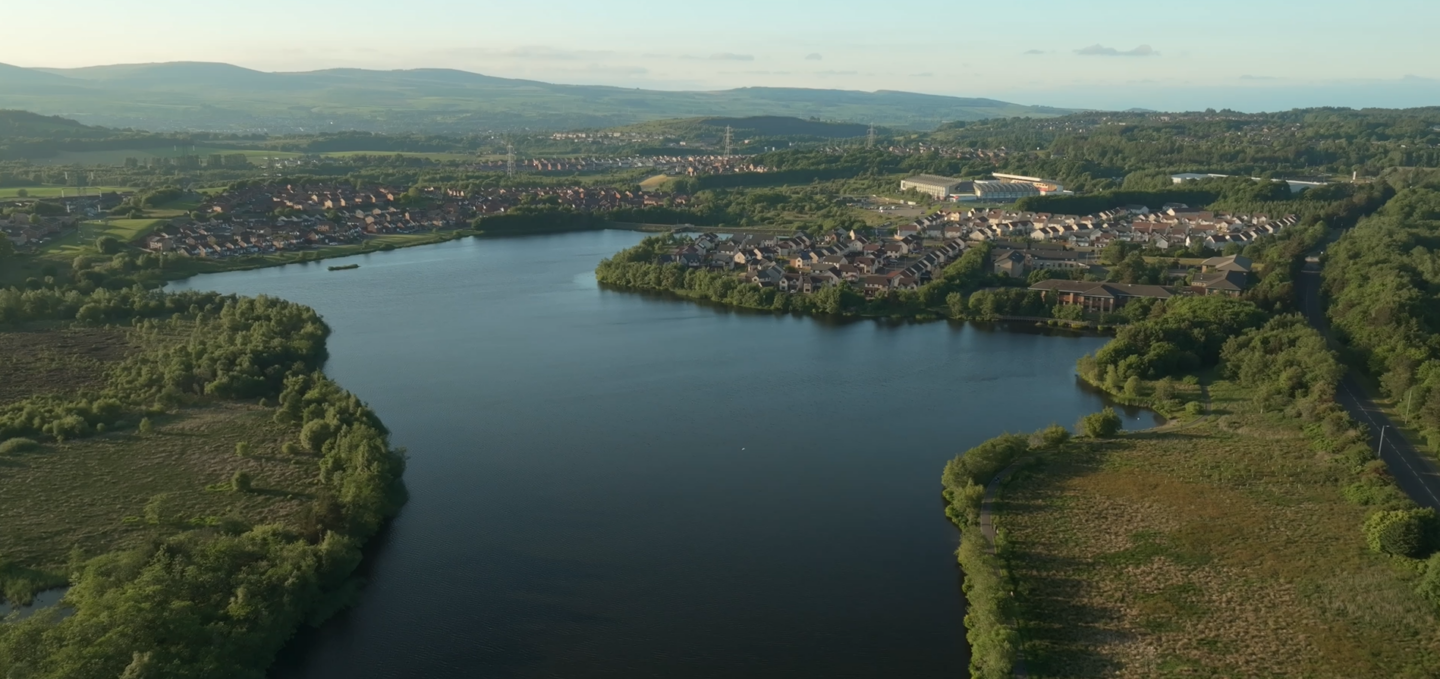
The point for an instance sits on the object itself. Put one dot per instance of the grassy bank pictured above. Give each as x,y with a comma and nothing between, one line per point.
1227,548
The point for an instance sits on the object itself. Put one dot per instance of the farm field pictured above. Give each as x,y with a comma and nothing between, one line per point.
56,191
1222,549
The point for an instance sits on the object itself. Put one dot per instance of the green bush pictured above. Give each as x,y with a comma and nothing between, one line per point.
145,426
1050,437
1194,409
19,445
315,433
1101,425
1429,587
1400,532
241,482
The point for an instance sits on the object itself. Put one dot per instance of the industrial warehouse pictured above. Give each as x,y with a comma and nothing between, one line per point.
1003,188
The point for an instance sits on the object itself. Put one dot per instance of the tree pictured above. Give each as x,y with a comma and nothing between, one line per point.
1101,425
241,482
1132,387
242,449
315,433
1400,532
158,510
1429,587
22,193
1051,437
1165,389
145,426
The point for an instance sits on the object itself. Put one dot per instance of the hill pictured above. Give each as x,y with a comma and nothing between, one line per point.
223,97
26,125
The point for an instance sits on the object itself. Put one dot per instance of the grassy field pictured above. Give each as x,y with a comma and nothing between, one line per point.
437,156
92,493
1223,549
118,156
55,191
46,359
82,240
655,182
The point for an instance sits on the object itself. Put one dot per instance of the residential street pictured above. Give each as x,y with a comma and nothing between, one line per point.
1414,473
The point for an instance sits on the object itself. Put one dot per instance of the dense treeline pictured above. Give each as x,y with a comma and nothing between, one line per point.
1182,336
1086,150
215,602
1383,280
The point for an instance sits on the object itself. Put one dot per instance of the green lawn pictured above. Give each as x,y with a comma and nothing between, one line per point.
82,240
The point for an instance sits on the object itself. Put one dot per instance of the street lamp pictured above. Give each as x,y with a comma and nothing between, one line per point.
1381,448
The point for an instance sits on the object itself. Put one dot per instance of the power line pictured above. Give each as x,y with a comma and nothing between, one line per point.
870,139
509,159
727,141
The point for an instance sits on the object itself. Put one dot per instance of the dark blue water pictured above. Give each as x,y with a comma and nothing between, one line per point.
608,484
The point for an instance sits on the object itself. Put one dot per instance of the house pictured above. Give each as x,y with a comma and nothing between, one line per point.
1231,263
1230,283
1102,297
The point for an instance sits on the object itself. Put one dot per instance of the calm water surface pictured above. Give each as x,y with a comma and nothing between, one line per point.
607,484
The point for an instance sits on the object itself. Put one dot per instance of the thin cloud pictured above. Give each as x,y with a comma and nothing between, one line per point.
1258,77
1098,50
813,56
731,56
1033,52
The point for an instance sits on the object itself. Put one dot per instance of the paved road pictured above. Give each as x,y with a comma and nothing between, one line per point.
1414,473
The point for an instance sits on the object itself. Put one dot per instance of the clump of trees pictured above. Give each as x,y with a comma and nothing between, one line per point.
1180,336
1101,425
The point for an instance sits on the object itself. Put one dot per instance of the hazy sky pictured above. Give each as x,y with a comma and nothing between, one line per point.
1063,52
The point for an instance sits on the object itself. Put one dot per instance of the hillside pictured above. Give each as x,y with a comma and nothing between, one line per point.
26,125
205,96
712,130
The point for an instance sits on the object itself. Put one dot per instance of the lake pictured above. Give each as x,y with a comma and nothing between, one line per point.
609,484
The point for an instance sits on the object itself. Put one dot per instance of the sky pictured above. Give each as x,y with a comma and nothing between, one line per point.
1247,54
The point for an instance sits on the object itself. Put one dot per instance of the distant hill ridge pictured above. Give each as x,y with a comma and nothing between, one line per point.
224,97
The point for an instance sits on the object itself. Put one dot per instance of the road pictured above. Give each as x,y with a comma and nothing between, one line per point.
1413,472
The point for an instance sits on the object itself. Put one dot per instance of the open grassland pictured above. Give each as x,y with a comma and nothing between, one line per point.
91,494
655,182
45,359
1221,549
56,191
